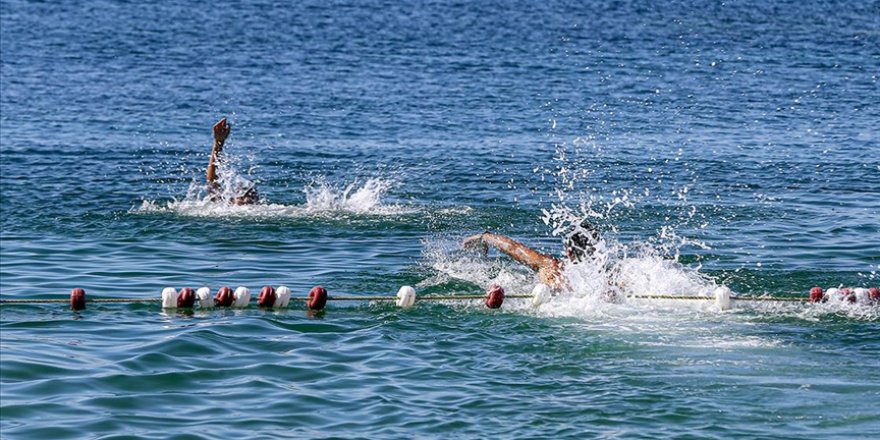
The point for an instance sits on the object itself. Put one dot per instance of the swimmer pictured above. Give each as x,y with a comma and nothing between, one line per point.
579,244
245,192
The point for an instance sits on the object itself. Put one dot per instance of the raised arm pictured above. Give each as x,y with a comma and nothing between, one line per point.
514,249
221,132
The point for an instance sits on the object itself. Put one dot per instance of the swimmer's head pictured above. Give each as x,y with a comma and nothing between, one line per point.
580,241
247,195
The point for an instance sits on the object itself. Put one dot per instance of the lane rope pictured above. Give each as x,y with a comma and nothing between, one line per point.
406,297
134,300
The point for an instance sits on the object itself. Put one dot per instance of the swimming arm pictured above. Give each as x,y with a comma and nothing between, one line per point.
513,249
221,132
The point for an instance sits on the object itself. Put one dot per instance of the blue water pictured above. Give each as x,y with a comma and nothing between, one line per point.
712,143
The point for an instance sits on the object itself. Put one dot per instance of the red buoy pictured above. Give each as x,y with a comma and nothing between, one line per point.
186,298
494,296
816,295
78,299
848,294
874,293
267,297
317,298
224,297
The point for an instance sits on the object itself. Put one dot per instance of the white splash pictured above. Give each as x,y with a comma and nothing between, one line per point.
602,293
449,262
364,199
322,200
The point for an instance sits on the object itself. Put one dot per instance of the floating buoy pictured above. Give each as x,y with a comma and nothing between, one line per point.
242,297
267,297
169,298
847,294
78,299
861,295
317,298
494,296
722,298
406,297
204,297
832,294
186,298
224,297
541,294
282,297
874,294
816,295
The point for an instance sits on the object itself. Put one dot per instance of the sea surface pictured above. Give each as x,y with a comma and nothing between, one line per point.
712,143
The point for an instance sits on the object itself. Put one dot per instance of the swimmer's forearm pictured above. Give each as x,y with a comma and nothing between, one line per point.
212,174
517,250
221,131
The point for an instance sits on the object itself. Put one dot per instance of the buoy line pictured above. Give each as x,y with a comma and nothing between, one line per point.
270,297
135,300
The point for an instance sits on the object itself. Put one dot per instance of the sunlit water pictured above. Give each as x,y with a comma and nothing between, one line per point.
717,143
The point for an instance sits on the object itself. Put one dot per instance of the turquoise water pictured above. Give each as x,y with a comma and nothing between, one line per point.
712,143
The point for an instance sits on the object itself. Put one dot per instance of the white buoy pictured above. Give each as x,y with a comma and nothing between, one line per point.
406,297
541,294
832,294
862,296
722,298
242,297
203,295
169,298
282,297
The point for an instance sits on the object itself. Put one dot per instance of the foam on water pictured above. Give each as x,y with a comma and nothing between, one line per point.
322,200
591,286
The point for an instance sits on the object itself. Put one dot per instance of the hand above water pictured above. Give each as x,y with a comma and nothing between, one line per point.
221,132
